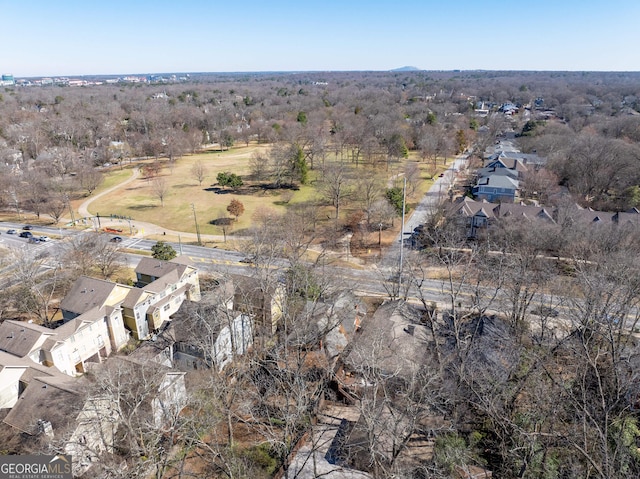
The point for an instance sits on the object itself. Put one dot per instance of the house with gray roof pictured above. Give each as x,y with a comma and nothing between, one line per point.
100,317
496,188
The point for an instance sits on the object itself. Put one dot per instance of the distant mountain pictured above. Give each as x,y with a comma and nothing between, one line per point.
406,69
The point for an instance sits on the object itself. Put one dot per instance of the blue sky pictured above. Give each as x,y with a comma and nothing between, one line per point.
72,37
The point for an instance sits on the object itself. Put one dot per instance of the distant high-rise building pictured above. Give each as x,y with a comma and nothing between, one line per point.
7,79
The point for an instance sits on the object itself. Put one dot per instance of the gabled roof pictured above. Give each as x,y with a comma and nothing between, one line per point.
166,280
20,338
135,296
392,340
509,157
521,210
88,293
70,327
498,181
494,171
158,268
10,361
468,207
50,398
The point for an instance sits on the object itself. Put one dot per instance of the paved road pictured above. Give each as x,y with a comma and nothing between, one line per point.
436,194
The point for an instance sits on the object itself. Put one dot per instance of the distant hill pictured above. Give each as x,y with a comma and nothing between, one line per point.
406,69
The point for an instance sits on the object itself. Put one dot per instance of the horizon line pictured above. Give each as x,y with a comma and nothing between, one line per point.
255,72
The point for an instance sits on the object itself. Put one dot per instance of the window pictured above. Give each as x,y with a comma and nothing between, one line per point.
166,307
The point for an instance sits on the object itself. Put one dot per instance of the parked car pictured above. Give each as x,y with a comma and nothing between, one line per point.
26,234
116,239
44,239
27,227
11,232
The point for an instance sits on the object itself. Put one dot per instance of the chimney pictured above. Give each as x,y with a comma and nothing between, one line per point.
44,427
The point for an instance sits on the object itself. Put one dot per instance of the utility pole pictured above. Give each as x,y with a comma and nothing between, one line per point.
197,227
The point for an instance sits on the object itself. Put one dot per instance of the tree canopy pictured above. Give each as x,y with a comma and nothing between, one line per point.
229,179
163,251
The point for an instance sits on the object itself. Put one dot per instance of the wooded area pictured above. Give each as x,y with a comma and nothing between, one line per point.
530,367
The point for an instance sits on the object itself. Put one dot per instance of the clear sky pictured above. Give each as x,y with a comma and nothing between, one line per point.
73,37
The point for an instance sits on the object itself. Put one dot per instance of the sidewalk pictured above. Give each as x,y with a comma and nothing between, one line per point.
134,228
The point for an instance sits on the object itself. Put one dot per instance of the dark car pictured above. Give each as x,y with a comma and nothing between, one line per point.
11,232
34,240
116,239
26,234
27,227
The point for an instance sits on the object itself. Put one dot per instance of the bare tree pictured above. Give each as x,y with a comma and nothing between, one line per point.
336,185
199,171
89,178
160,189
36,280
147,404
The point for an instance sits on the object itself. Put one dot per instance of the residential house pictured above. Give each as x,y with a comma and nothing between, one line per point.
502,162
99,317
95,428
263,302
11,371
392,341
232,336
46,405
158,391
329,323
478,216
162,288
67,348
496,188
24,339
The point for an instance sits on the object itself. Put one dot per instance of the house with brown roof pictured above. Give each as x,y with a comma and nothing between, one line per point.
24,339
478,216
100,316
264,303
162,288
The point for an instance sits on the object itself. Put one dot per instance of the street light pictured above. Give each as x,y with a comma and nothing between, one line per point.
380,235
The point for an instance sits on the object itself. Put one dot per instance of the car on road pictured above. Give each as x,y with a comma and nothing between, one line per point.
26,234
27,227
11,232
116,239
247,260
34,240
44,239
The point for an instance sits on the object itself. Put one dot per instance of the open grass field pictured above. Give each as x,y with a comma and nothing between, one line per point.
138,200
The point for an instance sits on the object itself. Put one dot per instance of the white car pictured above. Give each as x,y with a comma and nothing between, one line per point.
44,239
